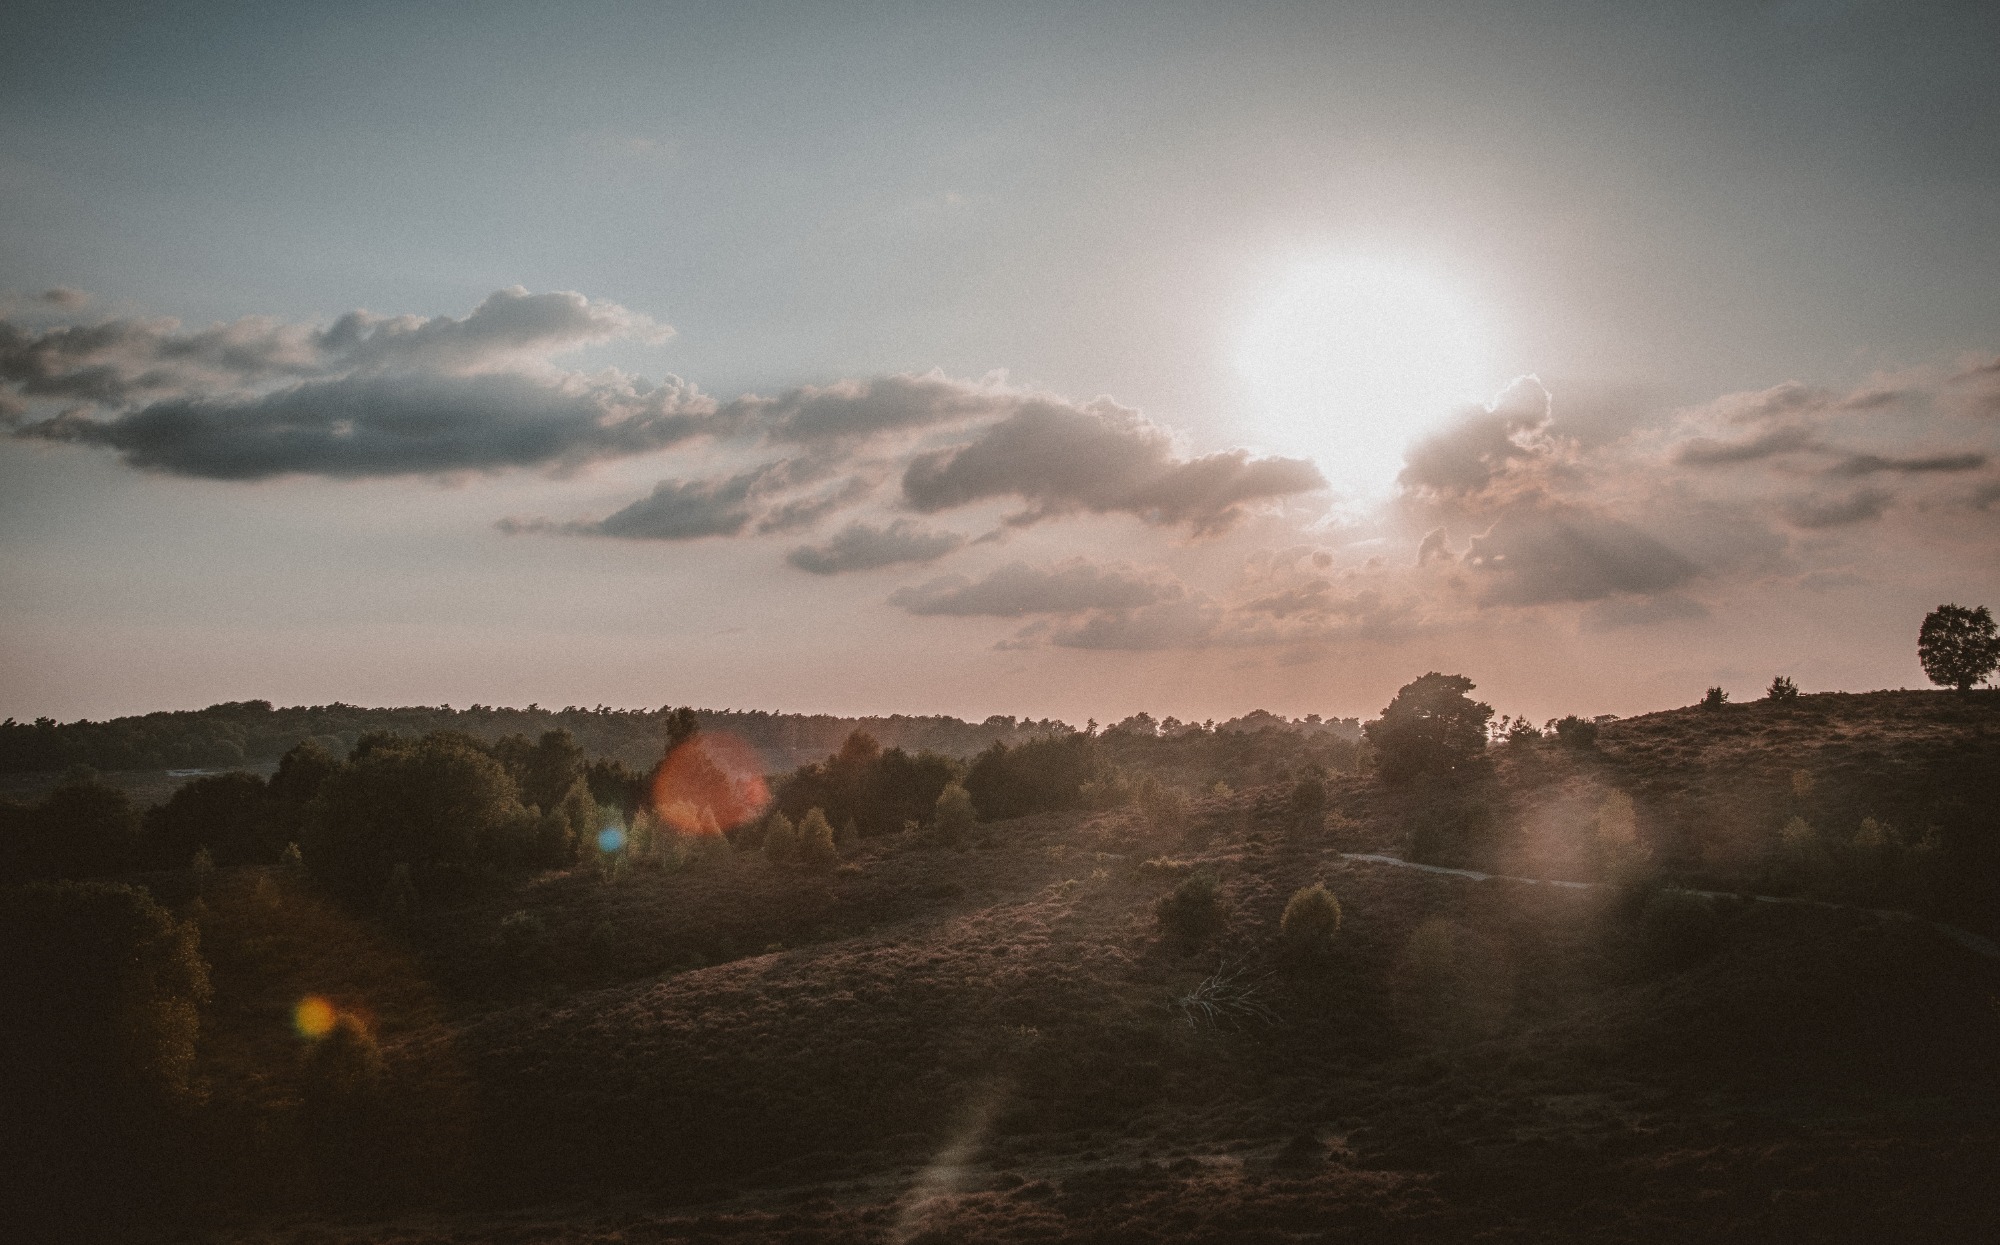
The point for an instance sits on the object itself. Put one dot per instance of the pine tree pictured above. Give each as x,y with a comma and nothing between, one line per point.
781,841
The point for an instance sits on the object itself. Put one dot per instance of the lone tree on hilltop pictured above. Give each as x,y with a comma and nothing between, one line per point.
1432,729
1957,646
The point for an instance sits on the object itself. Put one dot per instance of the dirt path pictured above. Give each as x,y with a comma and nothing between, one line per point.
1964,938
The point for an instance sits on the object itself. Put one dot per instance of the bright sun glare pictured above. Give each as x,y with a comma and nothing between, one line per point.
1348,361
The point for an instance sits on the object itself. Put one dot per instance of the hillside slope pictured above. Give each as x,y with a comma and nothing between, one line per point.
999,1043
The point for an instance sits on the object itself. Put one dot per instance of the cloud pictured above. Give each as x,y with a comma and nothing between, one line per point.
380,426
860,547
857,409
1018,589
1187,623
1538,555
674,510
1857,507
510,328
1975,389
1708,452
365,396
1485,444
1101,458
1869,464
63,296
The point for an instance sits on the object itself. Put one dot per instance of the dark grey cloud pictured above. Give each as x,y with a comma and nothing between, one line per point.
1708,452
862,547
1870,464
855,409
1100,458
66,297
382,426
1857,507
1540,554
1018,589
802,512
120,361
674,510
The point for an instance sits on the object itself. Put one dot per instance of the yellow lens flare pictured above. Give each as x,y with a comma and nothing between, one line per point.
314,1017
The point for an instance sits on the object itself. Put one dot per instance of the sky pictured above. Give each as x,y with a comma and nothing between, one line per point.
1038,359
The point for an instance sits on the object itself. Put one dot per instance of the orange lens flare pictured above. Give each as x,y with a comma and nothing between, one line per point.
314,1017
710,783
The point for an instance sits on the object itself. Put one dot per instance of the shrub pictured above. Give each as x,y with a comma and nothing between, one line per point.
1432,729
1575,732
1194,910
816,849
1714,698
1308,798
1957,646
1782,690
954,816
1311,919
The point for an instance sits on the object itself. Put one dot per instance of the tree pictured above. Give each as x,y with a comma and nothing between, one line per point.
816,849
1782,690
1432,729
1957,646
955,816
437,804
1194,910
226,815
1714,698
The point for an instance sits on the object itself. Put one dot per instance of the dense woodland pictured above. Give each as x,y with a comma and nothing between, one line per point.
252,733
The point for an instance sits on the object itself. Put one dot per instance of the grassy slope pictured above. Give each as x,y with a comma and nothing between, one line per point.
982,1045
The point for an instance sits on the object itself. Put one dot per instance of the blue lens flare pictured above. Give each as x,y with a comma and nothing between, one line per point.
610,839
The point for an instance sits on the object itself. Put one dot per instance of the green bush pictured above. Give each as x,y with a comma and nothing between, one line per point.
1194,911
954,816
816,848
1311,919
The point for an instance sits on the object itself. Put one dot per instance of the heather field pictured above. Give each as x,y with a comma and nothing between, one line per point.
1003,1042
1676,1016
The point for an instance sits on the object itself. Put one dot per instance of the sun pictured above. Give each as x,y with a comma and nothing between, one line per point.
1347,361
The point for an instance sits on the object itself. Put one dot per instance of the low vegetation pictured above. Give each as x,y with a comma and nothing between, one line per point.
1147,981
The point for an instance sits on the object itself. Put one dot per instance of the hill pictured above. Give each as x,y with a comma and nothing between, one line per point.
1005,1042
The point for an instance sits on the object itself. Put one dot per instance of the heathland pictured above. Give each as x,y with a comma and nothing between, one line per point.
1722,971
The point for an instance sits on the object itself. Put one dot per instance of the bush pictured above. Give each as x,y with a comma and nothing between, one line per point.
1432,729
1308,798
1714,698
781,841
1311,919
1040,775
1193,911
1575,732
954,816
1782,690
816,848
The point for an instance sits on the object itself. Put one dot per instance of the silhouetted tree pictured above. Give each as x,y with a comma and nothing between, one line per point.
1714,698
228,815
1781,690
1432,729
1957,646
436,803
